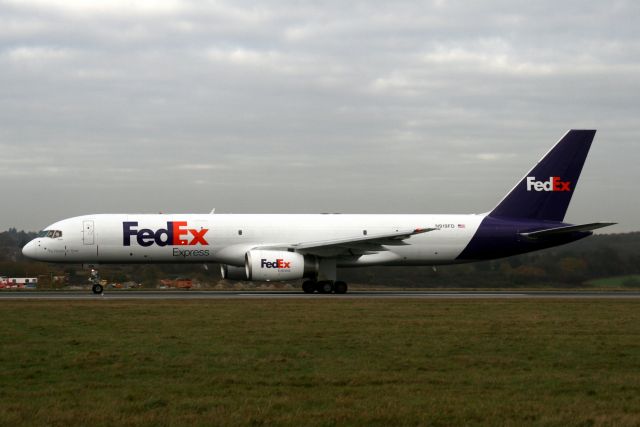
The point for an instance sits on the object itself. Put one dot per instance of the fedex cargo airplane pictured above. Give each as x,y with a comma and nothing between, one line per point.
311,247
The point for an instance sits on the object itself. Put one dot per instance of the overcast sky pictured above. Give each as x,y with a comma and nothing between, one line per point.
293,106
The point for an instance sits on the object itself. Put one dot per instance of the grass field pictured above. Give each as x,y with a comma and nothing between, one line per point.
320,362
619,282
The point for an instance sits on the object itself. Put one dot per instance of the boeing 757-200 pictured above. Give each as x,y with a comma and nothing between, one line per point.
312,246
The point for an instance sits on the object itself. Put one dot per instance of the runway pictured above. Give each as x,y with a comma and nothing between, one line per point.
279,295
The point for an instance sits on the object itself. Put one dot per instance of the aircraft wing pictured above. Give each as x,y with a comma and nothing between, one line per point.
551,232
359,245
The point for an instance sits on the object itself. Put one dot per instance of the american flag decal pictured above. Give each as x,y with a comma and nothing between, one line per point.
461,226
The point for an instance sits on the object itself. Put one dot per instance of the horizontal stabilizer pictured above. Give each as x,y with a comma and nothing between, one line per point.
550,232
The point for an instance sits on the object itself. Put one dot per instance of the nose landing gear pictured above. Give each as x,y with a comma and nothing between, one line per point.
94,279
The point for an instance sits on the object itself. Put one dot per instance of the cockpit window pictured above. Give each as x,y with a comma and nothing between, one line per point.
54,234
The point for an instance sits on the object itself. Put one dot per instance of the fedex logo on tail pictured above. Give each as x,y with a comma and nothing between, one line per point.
553,184
176,234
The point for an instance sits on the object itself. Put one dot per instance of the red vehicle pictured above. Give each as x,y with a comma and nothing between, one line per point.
180,283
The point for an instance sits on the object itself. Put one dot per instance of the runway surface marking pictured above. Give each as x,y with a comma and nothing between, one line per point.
196,295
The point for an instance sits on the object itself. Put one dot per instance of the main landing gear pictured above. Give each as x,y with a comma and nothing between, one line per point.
97,289
324,287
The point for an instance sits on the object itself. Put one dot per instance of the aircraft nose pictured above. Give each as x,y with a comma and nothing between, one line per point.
29,250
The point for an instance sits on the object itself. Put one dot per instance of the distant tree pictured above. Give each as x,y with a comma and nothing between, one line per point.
482,266
573,270
149,277
528,274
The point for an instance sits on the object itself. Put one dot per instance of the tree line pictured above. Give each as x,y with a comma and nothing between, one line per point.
598,256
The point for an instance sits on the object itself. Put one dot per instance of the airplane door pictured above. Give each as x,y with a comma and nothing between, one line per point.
87,232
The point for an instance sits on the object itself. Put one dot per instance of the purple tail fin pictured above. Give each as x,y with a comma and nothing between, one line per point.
545,192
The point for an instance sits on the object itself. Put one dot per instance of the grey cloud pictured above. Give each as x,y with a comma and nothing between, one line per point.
305,107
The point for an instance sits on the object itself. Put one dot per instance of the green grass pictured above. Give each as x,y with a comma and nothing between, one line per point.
629,281
320,362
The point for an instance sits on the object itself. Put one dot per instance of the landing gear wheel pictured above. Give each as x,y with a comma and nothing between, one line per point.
324,287
340,288
97,289
308,287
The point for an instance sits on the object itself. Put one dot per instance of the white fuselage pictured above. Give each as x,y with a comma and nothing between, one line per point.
291,247
113,238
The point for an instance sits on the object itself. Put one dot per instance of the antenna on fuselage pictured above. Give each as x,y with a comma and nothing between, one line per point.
212,211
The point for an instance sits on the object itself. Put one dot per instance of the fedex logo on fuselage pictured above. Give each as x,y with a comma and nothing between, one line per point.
553,184
279,263
176,234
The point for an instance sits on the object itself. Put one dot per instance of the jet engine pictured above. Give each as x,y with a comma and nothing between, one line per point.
279,265
233,273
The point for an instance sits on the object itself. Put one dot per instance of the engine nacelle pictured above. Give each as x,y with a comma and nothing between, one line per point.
279,265
233,273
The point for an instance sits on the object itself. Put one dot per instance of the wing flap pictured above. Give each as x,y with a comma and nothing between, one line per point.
378,239
370,243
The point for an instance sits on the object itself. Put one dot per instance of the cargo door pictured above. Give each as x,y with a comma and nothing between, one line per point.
88,232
